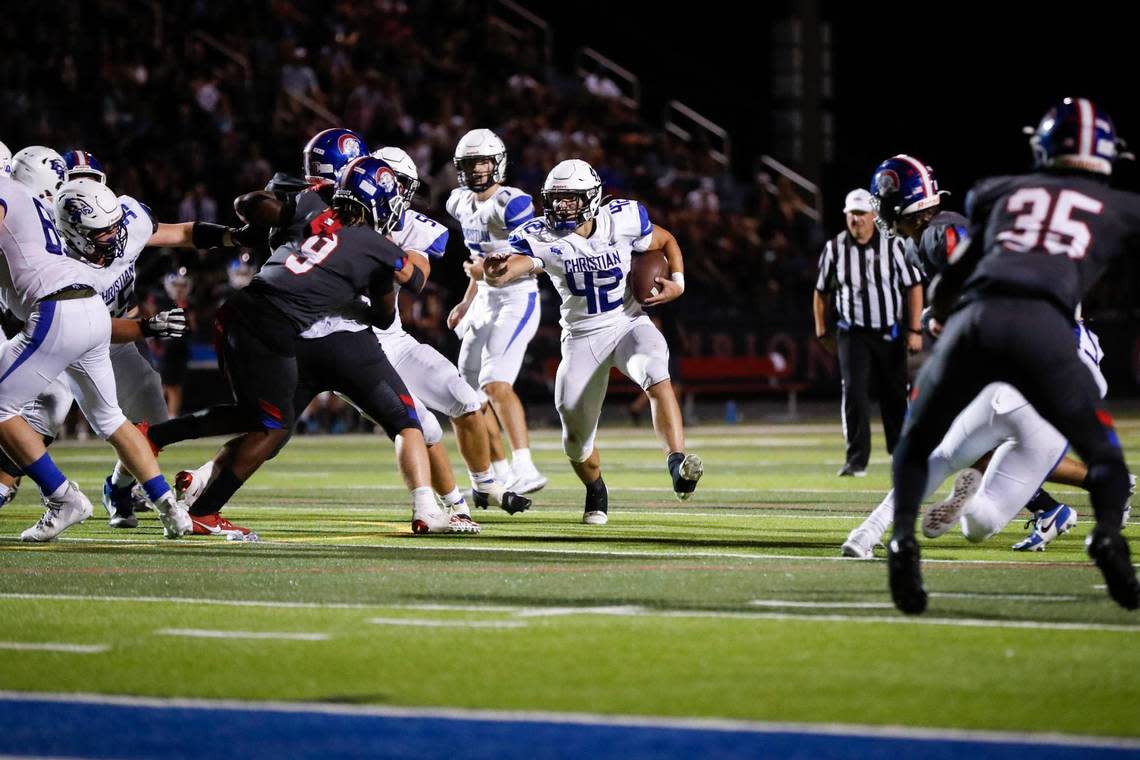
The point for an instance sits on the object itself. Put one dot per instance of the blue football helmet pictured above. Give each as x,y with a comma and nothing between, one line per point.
371,184
902,185
328,152
1075,134
81,164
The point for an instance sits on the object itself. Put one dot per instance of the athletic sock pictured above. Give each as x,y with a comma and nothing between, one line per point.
674,461
4,491
423,499
502,470
217,494
156,488
881,517
46,475
1041,502
121,477
597,497
521,457
481,481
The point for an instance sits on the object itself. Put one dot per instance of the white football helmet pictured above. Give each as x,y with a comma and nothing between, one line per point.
90,219
39,169
476,145
405,168
5,161
571,194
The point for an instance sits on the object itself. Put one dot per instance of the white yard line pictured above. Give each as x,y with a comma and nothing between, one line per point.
432,623
800,604
204,633
588,719
625,611
1003,597
39,646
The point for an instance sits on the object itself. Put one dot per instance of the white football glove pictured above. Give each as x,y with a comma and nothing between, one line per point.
166,324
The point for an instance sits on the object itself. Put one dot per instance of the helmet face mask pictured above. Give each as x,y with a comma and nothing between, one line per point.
407,176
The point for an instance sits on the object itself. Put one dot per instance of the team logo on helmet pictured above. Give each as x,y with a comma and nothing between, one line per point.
349,146
386,179
77,208
59,168
887,182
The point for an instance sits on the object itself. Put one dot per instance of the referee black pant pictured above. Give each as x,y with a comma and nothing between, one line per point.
864,354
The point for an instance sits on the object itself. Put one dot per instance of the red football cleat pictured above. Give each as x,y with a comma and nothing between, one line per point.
216,525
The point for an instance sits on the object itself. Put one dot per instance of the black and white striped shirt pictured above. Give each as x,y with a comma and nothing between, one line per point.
869,281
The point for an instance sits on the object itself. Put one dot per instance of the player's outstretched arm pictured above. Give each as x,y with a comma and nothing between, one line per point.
500,270
203,235
672,288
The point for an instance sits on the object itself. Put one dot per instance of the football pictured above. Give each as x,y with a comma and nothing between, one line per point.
644,272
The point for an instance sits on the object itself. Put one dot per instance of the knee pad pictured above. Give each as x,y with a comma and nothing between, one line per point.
577,449
464,398
433,432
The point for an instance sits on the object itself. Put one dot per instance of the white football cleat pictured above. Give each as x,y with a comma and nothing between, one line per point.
70,508
595,517
462,523
860,544
175,519
431,520
943,516
527,480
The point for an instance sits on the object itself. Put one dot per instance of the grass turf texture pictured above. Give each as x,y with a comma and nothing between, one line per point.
653,614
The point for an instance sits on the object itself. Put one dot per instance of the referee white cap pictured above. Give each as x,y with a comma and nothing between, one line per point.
857,200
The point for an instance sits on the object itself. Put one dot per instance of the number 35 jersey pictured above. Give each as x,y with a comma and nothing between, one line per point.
1048,235
590,274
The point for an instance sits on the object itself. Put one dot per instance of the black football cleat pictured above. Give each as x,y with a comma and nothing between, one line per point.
1109,550
906,576
513,503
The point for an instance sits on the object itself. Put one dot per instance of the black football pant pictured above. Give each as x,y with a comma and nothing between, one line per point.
863,355
1030,344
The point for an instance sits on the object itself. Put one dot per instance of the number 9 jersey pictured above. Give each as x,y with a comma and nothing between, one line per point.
590,273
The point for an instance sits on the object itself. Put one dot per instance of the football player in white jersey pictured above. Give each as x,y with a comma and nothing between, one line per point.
66,329
138,385
495,322
1026,449
587,250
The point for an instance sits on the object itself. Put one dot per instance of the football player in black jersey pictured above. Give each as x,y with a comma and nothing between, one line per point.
1038,243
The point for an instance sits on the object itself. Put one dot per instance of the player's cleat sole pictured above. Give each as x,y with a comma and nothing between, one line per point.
688,473
905,576
509,501
943,516
464,524
1111,554
1046,527
595,517
860,544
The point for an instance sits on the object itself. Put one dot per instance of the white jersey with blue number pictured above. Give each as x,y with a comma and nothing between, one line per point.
590,274
33,262
416,233
116,283
488,224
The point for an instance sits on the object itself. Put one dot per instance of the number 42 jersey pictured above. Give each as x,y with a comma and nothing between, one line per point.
590,274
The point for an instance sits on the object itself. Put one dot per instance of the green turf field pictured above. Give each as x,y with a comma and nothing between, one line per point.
734,604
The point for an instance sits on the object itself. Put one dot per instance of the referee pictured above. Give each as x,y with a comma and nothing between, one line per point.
870,277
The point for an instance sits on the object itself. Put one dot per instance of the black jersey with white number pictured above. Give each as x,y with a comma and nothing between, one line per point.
1048,234
326,269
